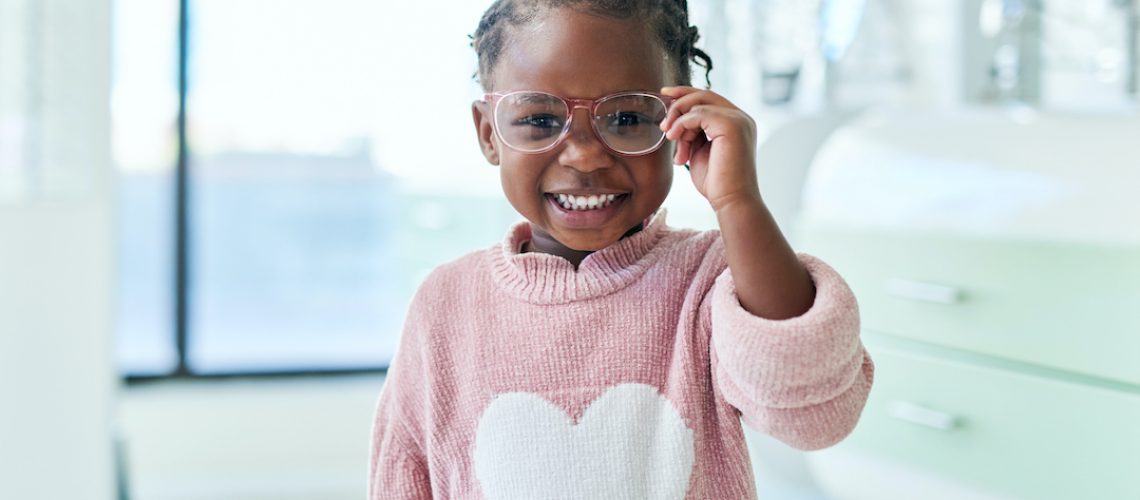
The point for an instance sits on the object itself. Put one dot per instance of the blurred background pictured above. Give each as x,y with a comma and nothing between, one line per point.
213,215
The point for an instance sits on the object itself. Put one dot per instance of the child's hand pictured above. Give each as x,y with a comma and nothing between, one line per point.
718,141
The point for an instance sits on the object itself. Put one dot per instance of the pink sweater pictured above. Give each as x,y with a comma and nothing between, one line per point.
519,377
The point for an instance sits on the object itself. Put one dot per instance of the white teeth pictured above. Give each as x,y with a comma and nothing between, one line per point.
572,202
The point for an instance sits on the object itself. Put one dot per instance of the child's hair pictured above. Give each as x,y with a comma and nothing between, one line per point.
669,19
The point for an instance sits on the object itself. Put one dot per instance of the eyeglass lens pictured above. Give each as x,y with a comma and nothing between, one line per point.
533,121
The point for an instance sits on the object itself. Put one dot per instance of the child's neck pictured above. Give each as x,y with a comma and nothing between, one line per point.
543,243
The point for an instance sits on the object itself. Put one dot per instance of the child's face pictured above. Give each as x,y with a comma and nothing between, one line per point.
575,55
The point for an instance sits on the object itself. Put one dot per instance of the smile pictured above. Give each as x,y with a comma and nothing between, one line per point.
585,202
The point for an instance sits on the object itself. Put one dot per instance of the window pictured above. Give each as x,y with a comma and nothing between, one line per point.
330,166
144,141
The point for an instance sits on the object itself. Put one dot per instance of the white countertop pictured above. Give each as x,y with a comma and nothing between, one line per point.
1015,174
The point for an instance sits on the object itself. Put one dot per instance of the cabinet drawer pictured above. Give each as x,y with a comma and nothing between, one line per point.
1072,307
1017,435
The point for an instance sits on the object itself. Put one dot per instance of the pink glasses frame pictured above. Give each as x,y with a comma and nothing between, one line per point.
590,105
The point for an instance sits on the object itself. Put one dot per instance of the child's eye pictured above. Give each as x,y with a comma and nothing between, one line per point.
540,121
627,121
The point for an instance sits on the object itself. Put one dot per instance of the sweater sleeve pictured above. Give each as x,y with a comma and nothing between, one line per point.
398,466
802,380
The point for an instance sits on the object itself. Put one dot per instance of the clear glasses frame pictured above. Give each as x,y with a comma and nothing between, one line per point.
591,107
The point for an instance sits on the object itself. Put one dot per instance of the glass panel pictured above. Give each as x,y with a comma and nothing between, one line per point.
144,109
329,176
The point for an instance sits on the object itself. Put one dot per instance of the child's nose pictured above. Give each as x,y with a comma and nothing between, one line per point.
583,150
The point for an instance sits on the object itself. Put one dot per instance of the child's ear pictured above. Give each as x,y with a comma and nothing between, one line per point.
481,112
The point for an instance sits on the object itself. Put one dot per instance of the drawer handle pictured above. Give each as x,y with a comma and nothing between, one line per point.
922,291
921,415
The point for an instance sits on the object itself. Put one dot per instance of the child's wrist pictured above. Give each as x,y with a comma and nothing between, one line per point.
736,202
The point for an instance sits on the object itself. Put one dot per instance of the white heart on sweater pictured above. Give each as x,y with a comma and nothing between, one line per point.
629,444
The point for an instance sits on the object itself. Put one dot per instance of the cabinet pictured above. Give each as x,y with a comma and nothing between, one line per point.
997,268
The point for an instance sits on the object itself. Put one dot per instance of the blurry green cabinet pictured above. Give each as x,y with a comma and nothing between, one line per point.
1069,306
999,300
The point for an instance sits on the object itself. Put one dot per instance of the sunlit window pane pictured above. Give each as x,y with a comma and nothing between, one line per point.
329,175
144,106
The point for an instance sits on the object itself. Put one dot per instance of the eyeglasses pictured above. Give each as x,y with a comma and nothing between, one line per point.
628,123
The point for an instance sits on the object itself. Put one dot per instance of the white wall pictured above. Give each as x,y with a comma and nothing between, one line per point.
56,380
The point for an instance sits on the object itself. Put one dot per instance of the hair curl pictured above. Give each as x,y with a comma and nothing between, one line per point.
669,19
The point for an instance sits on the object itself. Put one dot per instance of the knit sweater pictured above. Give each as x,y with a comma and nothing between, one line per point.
521,377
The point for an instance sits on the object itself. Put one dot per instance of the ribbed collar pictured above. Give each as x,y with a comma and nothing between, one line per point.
543,278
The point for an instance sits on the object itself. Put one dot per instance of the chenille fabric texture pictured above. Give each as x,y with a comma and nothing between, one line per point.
518,376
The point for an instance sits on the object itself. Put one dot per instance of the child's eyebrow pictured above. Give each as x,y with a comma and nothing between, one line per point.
535,98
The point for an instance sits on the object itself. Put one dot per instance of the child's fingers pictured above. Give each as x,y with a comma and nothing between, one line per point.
677,91
698,121
688,98
688,150
682,155
688,145
688,135
712,122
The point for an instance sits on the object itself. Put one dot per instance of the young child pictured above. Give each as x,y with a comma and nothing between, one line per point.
598,353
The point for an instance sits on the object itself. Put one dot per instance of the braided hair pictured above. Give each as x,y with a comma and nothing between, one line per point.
669,19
